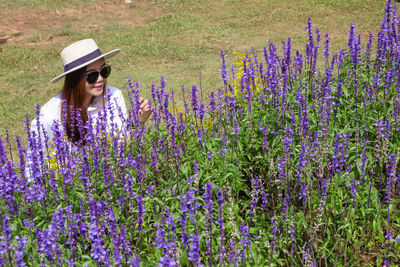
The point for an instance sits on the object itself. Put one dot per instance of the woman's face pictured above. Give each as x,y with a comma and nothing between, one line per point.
95,89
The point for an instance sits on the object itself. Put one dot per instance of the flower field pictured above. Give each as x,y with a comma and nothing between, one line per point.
287,164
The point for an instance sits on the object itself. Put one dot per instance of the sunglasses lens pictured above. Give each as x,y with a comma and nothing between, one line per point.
105,72
92,77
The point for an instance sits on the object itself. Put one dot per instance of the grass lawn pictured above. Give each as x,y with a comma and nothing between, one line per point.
176,39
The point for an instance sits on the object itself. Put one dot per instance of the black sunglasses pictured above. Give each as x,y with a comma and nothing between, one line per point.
93,76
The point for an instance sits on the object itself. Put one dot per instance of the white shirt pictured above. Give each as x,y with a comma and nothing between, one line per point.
51,111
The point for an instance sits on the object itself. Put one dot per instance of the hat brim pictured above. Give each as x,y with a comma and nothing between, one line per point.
105,56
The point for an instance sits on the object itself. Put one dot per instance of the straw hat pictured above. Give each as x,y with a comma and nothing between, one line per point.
81,54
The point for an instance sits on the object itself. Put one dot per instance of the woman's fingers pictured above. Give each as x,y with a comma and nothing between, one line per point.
144,111
144,104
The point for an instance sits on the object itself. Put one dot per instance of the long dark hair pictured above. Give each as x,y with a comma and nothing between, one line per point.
72,96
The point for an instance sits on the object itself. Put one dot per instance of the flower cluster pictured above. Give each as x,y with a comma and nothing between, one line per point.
285,165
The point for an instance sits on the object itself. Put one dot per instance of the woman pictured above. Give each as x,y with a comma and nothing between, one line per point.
85,95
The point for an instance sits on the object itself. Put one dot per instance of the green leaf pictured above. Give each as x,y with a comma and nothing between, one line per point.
184,258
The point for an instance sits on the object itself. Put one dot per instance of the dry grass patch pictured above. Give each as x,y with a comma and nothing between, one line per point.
43,25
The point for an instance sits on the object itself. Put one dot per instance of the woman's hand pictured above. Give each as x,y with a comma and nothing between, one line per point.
144,110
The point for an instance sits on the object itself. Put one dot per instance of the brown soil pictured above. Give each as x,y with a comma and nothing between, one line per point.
23,25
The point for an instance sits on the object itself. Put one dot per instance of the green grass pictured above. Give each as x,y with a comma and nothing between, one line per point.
175,39
48,4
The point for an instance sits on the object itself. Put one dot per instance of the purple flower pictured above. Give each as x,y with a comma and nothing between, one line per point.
172,246
189,205
245,240
194,252
388,82
166,262
136,260
233,253
292,237
27,224
125,244
133,113
310,43
327,42
58,220
48,245
160,238
274,231
141,212
183,220
207,197
220,223
287,141
367,52
3,153
7,232
264,132
258,194
195,100
302,163
212,105
340,155
391,174
8,185
340,58
223,68
196,173
19,252
98,253
354,45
